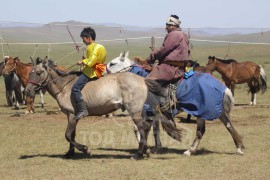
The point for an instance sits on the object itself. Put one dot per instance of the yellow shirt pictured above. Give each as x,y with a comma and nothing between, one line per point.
95,57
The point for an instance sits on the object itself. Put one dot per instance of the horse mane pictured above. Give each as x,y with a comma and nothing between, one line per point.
192,63
60,70
225,61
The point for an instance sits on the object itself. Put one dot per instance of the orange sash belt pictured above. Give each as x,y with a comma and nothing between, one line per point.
99,69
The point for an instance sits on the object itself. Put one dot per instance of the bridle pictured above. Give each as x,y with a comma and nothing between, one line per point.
12,69
41,84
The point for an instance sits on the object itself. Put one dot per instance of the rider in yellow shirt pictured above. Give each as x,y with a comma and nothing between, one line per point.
93,68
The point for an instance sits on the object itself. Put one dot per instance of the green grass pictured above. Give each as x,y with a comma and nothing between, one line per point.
32,147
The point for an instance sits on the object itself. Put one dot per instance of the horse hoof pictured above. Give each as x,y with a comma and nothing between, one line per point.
148,152
88,153
239,151
187,153
157,150
42,105
69,154
137,157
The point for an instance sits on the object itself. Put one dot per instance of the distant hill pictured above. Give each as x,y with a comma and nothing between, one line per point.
58,32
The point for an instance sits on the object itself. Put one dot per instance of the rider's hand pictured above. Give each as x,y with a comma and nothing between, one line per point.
79,62
138,59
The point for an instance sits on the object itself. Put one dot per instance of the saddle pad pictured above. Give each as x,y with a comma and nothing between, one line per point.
201,95
139,71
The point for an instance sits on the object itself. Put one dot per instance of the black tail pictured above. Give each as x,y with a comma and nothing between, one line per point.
263,80
169,126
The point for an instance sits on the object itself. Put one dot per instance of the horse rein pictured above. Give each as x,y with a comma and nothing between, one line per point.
121,70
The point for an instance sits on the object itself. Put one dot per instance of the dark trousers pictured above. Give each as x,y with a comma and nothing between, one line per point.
161,76
78,86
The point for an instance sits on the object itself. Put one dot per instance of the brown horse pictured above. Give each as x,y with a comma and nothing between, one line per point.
233,72
22,70
197,67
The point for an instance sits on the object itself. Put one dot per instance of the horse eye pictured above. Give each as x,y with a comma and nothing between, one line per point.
38,72
112,64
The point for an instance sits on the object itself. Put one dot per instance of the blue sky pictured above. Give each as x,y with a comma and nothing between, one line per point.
192,13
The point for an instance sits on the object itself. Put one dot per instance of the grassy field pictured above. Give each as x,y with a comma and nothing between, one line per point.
32,146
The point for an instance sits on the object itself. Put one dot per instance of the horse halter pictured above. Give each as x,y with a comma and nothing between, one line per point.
40,85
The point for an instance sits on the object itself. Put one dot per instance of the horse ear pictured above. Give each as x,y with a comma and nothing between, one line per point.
209,57
127,54
32,61
45,61
121,54
46,58
16,58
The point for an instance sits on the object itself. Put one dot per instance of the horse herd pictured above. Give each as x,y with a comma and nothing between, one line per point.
130,92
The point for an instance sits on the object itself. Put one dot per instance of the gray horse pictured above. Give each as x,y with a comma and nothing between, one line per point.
126,90
123,63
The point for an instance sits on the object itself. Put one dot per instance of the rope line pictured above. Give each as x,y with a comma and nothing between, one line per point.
147,37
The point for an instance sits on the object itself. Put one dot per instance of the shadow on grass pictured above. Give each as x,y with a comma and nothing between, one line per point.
78,156
163,150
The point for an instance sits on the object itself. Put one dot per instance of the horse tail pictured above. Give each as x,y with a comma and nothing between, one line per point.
169,126
228,101
262,80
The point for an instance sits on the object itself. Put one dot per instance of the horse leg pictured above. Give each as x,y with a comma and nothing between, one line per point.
199,135
41,98
17,105
232,88
225,119
9,98
29,103
156,132
253,99
188,118
143,128
70,137
252,89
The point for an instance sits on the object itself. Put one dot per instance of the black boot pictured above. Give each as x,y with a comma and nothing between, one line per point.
81,111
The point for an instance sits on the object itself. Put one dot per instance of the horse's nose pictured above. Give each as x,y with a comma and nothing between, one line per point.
27,92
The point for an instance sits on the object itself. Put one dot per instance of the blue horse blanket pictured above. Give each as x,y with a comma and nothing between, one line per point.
201,95
138,70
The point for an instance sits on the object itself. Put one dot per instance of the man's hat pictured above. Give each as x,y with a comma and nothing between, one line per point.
173,21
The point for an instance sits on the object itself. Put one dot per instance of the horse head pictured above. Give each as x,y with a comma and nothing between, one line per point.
9,64
38,77
211,64
121,63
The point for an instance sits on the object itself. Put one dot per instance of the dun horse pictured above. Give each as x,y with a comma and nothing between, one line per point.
234,72
126,90
22,70
203,100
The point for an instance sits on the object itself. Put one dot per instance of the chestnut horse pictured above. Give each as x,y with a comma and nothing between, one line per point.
22,70
234,72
